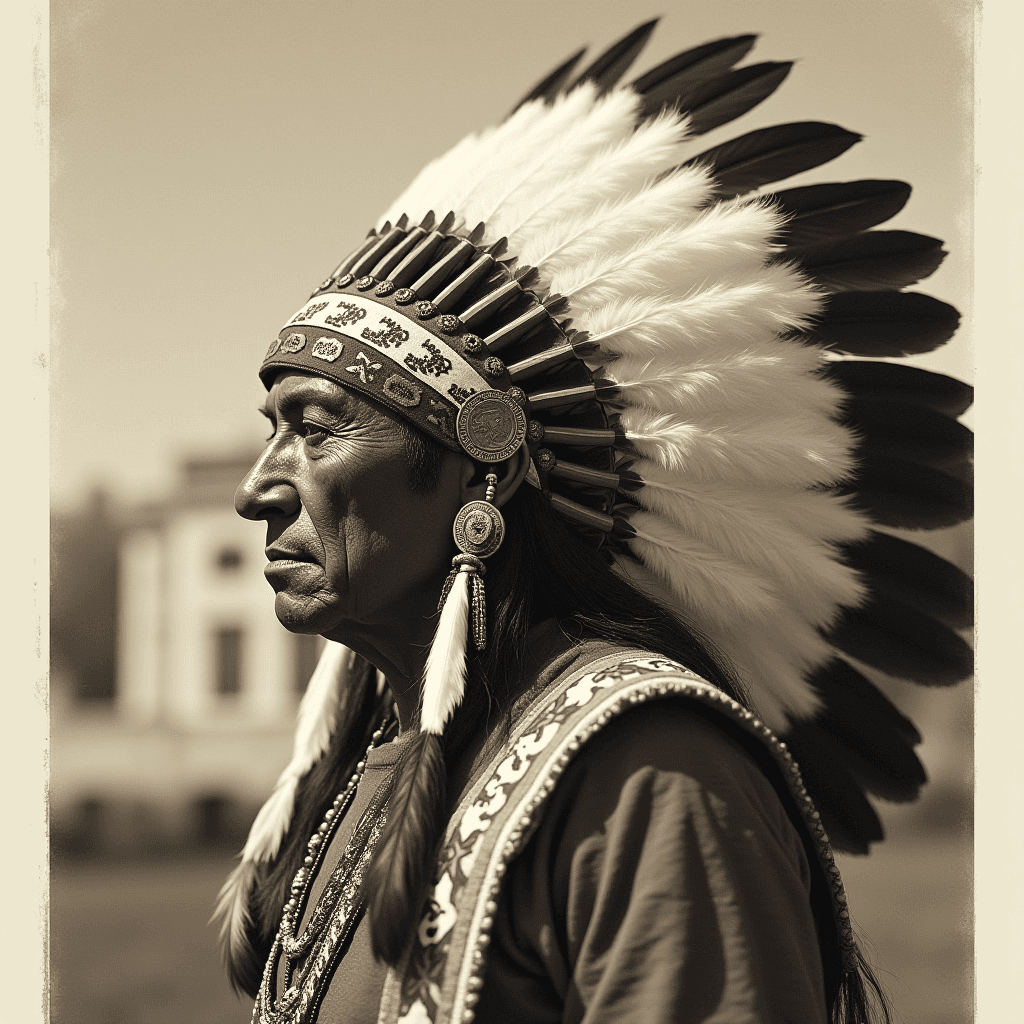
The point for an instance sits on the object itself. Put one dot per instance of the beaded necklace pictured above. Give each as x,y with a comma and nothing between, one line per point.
335,914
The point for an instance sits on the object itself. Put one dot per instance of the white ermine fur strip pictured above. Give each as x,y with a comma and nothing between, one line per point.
444,679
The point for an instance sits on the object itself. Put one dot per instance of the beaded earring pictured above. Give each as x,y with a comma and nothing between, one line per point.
478,530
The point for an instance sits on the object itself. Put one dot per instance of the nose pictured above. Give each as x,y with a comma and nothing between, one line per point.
264,494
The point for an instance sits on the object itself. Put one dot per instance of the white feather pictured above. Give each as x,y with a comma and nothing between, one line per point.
796,450
768,664
754,529
696,573
432,187
726,239
725,316
566,148
316,720
444,679
766,378
609,183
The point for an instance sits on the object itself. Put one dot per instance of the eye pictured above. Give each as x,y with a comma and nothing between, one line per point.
314,433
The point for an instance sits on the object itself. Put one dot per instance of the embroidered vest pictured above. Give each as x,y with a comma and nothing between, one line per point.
439,978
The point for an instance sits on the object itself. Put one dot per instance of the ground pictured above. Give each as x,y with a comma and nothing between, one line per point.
130,943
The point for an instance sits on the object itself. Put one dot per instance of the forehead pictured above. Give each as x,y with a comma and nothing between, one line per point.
290,387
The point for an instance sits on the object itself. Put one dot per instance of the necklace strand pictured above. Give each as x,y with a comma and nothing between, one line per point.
290,945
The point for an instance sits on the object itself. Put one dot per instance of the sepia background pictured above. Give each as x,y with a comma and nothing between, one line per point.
211,162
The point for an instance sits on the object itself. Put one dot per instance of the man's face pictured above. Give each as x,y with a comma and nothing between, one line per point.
350,544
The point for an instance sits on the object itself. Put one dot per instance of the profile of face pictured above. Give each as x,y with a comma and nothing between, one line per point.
352,547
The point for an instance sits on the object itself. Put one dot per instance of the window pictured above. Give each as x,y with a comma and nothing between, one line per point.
228,660
229,559
307,653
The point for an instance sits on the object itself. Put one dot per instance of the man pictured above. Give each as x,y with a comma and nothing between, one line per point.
597,367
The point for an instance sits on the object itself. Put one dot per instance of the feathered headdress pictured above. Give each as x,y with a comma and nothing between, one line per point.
677,342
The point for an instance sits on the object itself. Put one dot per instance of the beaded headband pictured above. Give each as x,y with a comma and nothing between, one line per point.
414,319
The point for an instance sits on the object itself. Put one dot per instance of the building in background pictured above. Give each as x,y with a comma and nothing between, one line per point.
174,687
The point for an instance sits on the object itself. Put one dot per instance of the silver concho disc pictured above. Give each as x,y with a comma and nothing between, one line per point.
491,426
479,529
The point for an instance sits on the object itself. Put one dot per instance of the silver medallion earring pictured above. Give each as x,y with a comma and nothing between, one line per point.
478,530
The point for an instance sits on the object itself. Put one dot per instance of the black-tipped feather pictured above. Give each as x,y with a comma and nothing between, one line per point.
617,59
709,59
883,323
873,260
771,154
679,76
550,86
913,432
848,818
878,759
878,753
726,97
403,861
891,636
842,687
918,577
895,382
897,492
824,213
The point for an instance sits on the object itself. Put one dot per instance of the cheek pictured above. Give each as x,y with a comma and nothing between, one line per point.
384,541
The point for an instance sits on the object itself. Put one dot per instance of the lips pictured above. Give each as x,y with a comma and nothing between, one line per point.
276,554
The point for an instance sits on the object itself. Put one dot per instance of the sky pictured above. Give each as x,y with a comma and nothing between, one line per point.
212,161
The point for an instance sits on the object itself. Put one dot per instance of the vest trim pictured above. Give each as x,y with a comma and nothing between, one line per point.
442,972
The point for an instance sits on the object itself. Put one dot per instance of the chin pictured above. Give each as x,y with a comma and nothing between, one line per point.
301,605
300,613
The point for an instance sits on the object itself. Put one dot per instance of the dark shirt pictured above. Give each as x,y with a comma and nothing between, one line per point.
665,883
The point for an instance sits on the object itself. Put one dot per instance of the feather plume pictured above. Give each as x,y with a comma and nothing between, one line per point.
429,188
797,450
444,679
666,82
404,857
770,154
316,720
593,217
695,573
611,65
893,382
883,323
728,238
786,536
234,918
873,260
770,380
725,316
823,213
725,97
612,176
539,164
771,659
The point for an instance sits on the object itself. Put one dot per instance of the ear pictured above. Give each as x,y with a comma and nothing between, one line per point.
510,473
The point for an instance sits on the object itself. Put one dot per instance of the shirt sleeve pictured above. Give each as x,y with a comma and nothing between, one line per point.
665,883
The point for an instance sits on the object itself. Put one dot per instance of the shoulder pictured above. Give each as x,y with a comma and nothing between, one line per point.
677,760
